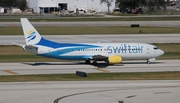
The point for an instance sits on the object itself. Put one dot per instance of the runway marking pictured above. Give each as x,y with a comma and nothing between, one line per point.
42,83
10,72
99,69
161,92
118,25
131,96
83,24
14,25
49,25
58,99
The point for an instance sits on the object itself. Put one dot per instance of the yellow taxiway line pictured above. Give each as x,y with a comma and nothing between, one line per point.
99,69
10,72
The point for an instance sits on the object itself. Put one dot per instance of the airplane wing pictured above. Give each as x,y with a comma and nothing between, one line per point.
114,59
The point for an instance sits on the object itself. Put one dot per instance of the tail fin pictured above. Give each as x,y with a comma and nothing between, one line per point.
30,33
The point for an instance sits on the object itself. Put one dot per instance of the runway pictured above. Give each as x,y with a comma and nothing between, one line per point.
71,67
175,24
91,92
119,38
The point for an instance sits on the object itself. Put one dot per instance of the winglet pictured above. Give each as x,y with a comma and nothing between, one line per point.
30,33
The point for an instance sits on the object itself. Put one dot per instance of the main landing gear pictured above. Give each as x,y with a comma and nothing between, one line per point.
94,63
89,62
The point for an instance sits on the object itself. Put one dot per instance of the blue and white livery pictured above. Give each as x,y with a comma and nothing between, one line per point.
112,53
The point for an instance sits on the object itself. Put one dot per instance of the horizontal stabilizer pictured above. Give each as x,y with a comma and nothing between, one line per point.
18,44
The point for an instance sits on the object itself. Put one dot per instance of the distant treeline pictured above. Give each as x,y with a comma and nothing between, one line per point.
22,4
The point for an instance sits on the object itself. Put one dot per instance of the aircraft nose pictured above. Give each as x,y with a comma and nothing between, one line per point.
161,52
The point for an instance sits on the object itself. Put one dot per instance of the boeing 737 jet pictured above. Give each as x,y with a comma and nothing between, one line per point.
111,53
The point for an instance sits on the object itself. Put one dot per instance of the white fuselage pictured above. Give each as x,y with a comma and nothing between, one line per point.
125,50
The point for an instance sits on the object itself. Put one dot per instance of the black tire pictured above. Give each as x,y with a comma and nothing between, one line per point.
88,62
94,63
148,62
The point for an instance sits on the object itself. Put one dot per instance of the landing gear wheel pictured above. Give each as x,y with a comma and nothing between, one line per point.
88,62
148,62
94,63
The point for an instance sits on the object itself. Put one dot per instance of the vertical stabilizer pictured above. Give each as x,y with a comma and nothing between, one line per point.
30,33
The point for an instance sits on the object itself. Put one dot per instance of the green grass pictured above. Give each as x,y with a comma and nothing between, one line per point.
172,51
81,30
93,76
76,19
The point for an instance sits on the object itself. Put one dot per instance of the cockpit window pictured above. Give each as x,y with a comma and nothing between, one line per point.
155,48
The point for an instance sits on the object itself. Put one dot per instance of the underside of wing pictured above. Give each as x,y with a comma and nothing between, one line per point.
99,58
114,59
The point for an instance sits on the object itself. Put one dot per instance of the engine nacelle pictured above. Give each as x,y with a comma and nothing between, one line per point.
114,59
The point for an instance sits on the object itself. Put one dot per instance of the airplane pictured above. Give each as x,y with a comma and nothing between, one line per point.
111,53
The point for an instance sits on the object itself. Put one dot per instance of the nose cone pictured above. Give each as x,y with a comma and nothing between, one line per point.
160,52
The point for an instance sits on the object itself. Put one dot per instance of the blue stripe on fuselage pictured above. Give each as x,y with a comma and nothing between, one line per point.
55,45
79,57
64,51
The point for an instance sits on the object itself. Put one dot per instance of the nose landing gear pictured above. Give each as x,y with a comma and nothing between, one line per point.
148,61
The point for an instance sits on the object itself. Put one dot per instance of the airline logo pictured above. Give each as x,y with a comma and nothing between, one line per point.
124,48
31,35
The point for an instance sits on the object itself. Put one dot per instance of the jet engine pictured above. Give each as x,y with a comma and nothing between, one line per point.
114,59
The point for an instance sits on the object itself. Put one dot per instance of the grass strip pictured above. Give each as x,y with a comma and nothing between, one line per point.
17,54
77,19
81,30
93,76
172,50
